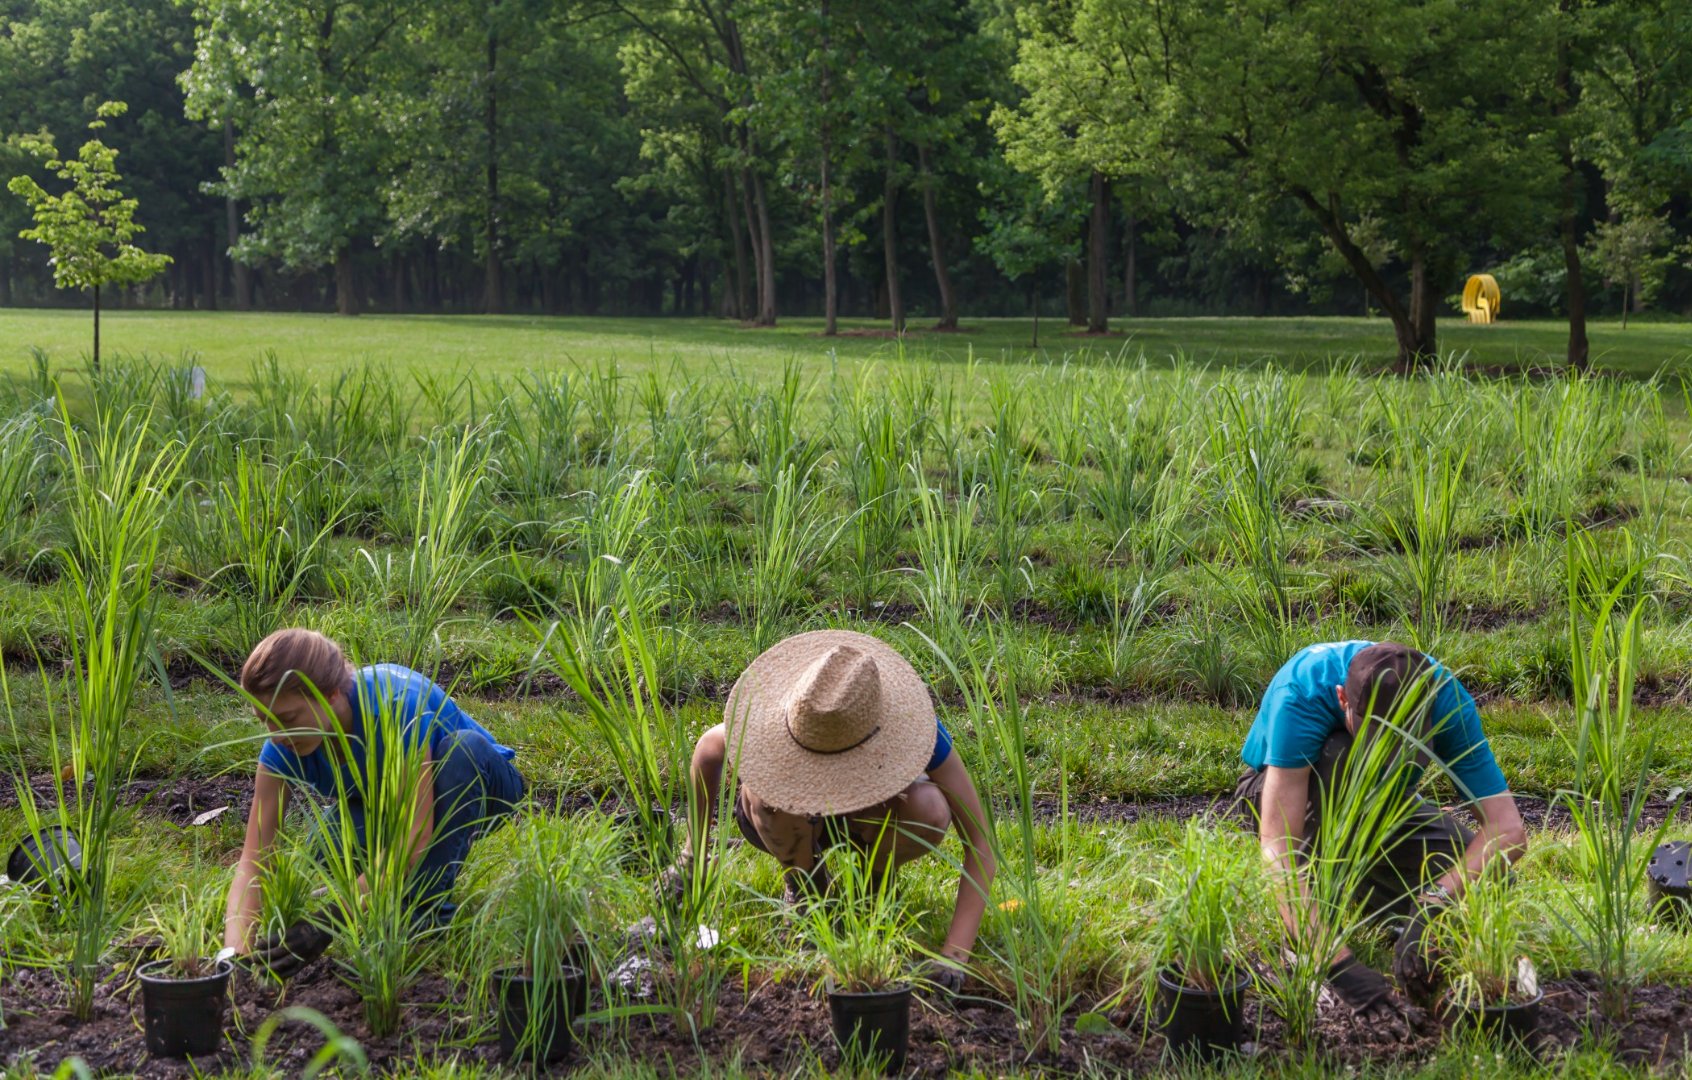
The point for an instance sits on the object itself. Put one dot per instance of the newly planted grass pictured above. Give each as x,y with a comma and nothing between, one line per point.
1095,565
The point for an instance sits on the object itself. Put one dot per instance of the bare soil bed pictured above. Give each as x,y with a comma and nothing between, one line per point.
767,1026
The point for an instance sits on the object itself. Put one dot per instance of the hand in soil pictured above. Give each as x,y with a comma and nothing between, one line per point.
293,949
1413,961
1386,1020
944,977
1359,986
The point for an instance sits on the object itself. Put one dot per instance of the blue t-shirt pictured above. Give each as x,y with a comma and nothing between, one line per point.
942,747
416,702
1300,710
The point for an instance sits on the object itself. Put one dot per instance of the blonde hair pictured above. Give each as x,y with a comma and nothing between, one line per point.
294,660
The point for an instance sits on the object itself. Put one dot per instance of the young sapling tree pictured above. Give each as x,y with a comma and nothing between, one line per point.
90,226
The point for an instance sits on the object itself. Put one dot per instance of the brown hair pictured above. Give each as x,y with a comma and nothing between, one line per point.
1381,674
294,660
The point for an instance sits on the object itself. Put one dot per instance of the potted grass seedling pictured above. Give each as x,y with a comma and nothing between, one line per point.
1197,982
540,912
863,937
185,992
1479,944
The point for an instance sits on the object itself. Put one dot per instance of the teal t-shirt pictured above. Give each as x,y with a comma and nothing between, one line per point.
419,705
1300,710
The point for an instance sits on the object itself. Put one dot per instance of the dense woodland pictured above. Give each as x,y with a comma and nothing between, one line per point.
927,160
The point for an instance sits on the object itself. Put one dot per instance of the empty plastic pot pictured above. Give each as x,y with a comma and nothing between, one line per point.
1667,880
40,855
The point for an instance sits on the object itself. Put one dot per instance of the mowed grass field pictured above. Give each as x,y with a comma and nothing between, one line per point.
227,343
1119,541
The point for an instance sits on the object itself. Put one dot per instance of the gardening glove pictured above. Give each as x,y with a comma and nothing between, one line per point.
1413,960
944,975
1360,986
286,953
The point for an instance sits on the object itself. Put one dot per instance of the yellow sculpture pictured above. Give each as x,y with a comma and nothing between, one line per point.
1480,298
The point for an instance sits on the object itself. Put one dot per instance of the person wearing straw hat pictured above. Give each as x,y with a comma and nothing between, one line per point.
832,736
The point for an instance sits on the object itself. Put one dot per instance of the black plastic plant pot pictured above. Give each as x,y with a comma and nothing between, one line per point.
1668,878
40,855
1513,1023
1200,1023
553,1037
873,1025
183,1017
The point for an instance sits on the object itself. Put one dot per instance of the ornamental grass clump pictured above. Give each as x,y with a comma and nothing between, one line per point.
1037,950
624,717
1375,791
447,516
1425,533
370,899
189,929
948,554
1203,897
1481,940
1613,759
118,482
862,934
256,533
537,921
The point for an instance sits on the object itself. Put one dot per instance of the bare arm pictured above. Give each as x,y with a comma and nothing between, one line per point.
979,866
246,894
1502,836
1286,792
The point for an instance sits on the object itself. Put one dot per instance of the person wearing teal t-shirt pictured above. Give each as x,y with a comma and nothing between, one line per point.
1311,712
305,691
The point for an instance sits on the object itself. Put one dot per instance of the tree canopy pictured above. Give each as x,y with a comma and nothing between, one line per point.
930,159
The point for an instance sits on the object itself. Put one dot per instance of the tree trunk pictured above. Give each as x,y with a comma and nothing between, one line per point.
232,216
398,264
766,254
493,291
734,293
831,294
1579,352
1098,254
890,235
97,329
1130,278
937,246
346,287
1411,345
1422,310
1074,280
209,267
1627,283
831,290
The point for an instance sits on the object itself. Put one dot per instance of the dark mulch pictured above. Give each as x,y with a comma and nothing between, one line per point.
770,1026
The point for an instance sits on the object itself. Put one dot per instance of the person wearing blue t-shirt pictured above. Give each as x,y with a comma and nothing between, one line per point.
1311,713
325,738
832,738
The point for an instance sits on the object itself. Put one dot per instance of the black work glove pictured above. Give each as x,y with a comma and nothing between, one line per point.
286,953
943,975
1368,994
1413,960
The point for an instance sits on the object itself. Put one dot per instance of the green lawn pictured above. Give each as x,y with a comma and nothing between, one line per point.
228,342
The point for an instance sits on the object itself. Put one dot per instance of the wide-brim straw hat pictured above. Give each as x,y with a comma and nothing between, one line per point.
829,722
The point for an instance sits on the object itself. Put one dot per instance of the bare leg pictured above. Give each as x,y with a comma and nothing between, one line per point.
904,828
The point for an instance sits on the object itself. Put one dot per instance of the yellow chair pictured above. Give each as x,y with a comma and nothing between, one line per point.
1480,298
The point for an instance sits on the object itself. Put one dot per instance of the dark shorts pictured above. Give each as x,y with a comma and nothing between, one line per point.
837,829
1428,844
